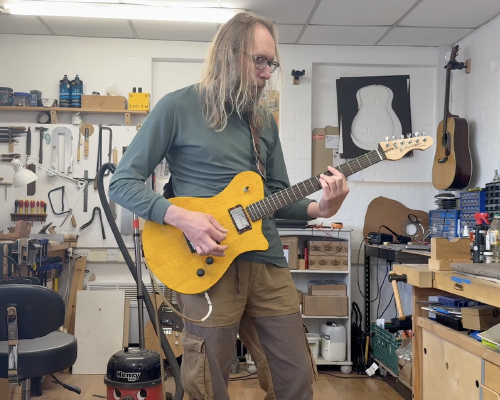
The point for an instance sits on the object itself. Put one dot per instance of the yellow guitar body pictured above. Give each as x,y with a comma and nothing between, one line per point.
170,257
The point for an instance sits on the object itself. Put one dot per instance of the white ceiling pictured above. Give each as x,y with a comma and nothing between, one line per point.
337,22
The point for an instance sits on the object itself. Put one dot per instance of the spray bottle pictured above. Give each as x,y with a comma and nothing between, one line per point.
480,237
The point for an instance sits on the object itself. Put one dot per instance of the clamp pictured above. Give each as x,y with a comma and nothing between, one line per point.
98,209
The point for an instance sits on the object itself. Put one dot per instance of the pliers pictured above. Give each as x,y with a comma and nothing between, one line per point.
98,209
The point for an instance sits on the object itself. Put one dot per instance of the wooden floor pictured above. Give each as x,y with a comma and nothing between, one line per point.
328,387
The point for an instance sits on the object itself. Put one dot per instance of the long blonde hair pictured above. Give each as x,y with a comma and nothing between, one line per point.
224,87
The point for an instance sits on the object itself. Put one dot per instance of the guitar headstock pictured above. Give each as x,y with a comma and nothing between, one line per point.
395,149
453,56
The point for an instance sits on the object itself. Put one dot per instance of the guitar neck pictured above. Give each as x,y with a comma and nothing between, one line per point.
269,205
446,101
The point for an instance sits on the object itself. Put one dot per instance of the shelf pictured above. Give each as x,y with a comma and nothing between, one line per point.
322,361
54,110
73,110
316,271
323,317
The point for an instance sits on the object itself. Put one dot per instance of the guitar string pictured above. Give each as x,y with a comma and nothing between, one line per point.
257,211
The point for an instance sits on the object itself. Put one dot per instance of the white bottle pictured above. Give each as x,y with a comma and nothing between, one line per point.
333,342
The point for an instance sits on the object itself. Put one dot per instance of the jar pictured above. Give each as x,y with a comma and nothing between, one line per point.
21,99
488,257
6,96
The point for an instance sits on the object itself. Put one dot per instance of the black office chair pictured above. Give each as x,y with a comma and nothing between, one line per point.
30,347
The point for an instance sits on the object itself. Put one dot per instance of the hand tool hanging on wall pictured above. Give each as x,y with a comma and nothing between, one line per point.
5,185
86,130
31,187
42,131
8,133
112,204
9,157
68,156
99,151
63,194
98,210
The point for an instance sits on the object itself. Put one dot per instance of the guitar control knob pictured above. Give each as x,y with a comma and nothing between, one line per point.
209,260
200,272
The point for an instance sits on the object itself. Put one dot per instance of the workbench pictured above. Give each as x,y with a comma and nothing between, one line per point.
448,364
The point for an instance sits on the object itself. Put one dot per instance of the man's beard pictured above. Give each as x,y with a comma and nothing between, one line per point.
253,99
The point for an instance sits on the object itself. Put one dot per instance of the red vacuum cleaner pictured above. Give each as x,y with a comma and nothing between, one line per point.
136,373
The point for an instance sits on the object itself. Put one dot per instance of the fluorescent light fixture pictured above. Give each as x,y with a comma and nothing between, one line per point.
119,11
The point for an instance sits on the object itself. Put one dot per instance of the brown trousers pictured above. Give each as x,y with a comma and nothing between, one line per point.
258,301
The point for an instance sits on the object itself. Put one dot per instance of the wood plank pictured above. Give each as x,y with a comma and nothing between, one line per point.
80,265
417,274
98,329
492,376
79,287
418,294
445,249
472,288
449,372
461,340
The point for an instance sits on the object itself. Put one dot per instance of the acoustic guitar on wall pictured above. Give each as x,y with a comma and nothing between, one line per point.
452,167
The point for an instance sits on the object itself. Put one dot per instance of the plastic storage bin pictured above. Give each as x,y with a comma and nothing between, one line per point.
384,345
21,99
313,340
6,96
333,342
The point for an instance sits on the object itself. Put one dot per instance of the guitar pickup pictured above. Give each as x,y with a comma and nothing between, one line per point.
190,244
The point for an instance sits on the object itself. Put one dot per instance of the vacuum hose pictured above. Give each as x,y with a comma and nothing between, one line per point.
172,361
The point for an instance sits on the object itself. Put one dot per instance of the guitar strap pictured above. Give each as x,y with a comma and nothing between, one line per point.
256,151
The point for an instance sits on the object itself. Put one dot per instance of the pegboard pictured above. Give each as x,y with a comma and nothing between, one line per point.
91,236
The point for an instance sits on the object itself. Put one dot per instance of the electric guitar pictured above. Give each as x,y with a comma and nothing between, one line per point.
452,167
240,208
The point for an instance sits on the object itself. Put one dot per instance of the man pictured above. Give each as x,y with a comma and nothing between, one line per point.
204,132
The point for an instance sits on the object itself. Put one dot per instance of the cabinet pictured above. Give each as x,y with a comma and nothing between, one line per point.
303,277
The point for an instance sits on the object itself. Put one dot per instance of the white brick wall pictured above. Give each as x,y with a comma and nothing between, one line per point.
476,97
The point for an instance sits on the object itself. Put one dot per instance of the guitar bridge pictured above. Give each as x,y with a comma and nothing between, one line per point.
240,219
442,160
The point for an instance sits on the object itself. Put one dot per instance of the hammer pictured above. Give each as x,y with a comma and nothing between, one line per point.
42,131
402,321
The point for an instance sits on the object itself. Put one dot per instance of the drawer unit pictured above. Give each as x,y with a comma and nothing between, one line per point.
444,223
492,190
471,203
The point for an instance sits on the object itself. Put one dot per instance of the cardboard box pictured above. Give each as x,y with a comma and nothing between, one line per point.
138,101
335,306
322,152
328,263
328,290
291,250
302,263
404,368
104,102
480,318
329,247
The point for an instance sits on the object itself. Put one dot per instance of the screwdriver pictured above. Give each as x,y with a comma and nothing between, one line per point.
16,204
32,204
20,202
38,207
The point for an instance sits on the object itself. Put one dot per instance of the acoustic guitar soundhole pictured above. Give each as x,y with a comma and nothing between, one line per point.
447,144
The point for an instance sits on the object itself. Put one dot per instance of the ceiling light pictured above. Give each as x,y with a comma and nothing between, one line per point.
119,11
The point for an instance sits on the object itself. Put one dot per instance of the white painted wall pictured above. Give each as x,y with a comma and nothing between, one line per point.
128,63
476,97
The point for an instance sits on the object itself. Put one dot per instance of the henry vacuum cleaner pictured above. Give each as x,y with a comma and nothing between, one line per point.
136,374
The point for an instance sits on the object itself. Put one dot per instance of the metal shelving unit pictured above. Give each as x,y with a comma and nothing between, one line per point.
302,277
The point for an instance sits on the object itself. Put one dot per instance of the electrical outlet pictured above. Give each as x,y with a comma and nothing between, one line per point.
81,252
111,254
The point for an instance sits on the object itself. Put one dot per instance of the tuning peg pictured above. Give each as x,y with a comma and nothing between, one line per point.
387,138
401,136
408,135
393,138
417,134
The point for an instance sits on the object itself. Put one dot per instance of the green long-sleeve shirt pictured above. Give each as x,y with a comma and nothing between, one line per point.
202,162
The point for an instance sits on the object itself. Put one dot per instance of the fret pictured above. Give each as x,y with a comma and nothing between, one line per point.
379,154
366,154
360,166
347,163
272,197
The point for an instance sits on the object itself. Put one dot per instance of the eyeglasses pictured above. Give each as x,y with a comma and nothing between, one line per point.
262,62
